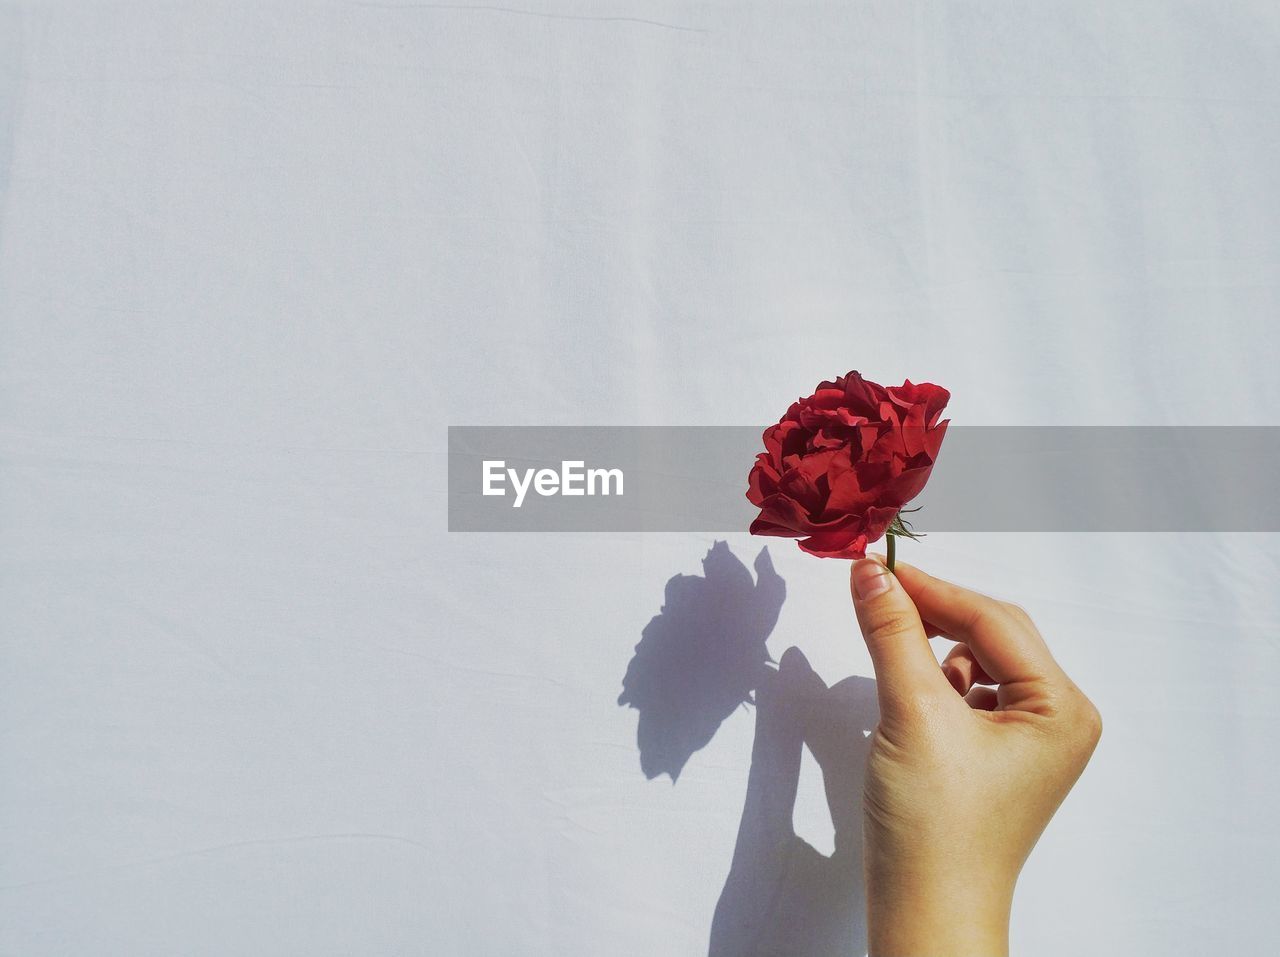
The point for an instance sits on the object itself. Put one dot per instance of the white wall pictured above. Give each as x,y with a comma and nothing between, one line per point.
253,259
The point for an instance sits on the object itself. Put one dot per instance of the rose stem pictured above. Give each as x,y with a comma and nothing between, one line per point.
888,549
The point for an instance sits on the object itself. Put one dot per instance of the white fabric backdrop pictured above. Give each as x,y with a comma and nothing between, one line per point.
253,259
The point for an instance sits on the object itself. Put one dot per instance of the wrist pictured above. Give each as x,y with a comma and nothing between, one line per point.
907,918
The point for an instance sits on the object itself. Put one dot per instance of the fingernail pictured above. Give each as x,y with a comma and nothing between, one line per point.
870,579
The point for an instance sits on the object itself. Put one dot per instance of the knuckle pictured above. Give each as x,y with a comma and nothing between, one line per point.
1017,612
890,623
1091,721
985,616
1082,721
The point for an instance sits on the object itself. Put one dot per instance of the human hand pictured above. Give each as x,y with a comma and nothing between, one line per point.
962,778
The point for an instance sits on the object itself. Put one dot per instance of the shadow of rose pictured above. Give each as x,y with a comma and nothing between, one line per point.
698,660
701,656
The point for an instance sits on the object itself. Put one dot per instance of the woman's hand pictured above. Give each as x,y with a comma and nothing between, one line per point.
962,778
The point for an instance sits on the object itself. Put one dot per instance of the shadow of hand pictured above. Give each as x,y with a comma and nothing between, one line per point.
782,897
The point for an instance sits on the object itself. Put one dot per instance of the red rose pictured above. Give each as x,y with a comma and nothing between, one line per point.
841,464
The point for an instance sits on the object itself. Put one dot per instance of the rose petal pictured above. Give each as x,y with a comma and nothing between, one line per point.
842,462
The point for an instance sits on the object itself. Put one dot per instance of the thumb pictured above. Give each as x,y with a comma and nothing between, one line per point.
906,669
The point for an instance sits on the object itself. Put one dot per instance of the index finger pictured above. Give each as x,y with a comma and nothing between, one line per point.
1006,647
